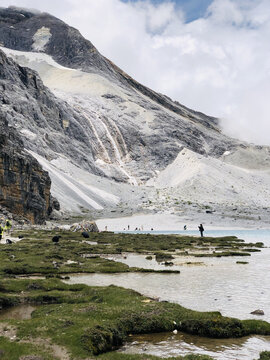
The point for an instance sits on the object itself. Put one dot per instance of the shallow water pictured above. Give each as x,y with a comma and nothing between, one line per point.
218,284
20,312
168,344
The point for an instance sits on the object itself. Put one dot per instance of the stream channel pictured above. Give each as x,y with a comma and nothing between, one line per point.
204,284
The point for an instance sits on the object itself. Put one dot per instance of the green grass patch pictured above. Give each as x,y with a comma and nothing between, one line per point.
265,355
12,350
89,321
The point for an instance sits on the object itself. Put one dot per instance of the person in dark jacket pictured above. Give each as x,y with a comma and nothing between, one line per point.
1,232
201,229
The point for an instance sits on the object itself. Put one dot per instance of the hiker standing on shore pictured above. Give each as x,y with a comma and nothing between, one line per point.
201,229
8,226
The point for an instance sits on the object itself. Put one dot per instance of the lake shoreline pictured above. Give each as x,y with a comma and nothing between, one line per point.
76,314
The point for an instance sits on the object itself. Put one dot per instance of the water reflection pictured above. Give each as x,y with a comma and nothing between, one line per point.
218,284
166,345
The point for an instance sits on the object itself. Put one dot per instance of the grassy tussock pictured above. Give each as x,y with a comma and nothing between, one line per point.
93,320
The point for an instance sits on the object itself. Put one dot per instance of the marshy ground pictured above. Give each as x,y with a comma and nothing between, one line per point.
82,322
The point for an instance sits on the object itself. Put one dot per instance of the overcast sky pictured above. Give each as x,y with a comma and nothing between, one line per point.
210,55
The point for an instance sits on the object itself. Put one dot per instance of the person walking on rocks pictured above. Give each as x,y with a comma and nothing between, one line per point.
201,229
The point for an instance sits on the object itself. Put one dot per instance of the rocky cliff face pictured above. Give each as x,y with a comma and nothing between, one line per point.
24,186
98,117
40,117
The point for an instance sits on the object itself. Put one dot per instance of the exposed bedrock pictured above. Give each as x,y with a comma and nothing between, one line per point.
24,185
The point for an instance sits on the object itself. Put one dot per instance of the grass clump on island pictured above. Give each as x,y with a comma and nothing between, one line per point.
89,321
37,254
85,255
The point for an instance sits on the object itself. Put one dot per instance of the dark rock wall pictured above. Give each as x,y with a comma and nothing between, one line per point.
24,185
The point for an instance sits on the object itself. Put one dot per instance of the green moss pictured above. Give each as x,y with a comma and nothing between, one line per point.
12,350
163,257
91,320
37,254
265,355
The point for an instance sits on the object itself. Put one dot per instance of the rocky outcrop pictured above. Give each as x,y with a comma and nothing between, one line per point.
257,312
40,117
87,226
24,185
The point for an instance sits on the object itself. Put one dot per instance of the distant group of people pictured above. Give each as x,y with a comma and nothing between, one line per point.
200,227
138,228
5,226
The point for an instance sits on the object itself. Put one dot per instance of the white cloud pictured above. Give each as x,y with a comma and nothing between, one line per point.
218,64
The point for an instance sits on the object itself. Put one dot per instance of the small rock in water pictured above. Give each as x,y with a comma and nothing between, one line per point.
257,312
175,332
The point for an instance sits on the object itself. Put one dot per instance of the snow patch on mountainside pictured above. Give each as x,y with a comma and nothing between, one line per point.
35,60
41,38
29,134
